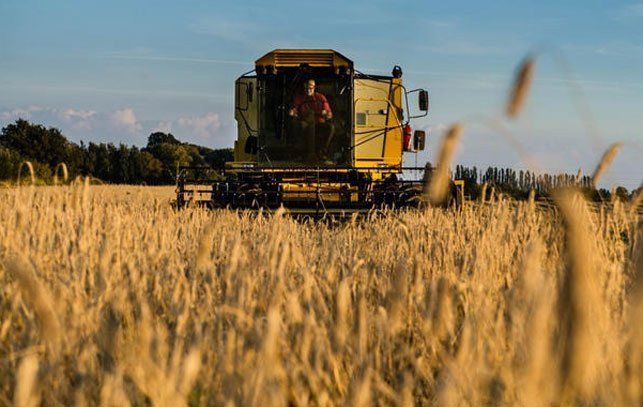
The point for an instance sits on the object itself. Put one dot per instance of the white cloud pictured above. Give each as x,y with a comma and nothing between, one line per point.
50,116
81,119
83,115
126,119
120,125
437,128
163,127
82,124
123,125
20,113
205,127
15,114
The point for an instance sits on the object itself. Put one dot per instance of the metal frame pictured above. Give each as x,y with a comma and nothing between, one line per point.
406,96
350,188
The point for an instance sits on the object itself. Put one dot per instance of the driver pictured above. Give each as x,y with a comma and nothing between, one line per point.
312,111
312,103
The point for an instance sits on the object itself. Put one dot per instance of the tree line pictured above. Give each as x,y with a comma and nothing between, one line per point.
155,164
518,184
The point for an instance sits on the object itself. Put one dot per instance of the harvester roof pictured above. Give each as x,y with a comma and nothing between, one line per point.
291,58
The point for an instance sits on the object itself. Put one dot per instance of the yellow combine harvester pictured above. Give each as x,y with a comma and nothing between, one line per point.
315,135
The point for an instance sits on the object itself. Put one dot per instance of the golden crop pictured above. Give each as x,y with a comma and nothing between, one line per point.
108,296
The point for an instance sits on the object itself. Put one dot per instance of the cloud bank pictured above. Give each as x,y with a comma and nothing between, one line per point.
119,126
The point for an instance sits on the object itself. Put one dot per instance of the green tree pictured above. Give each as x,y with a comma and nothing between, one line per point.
150,168
9,162
36,143
47,147
158,138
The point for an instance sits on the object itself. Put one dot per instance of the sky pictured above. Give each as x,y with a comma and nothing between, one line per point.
115,71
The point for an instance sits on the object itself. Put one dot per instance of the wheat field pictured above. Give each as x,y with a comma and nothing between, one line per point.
110,297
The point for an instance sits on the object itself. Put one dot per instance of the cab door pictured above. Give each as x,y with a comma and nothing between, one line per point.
245,113
377,128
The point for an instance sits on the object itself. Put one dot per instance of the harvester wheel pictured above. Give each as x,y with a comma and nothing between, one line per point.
249,195
411,195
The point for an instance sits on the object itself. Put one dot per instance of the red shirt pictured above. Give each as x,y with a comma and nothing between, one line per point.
316,103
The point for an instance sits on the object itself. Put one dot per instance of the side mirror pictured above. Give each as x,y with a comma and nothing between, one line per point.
419,139
423,100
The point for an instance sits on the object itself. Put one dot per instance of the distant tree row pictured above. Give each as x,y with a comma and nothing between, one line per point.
45,148
518,183
156,163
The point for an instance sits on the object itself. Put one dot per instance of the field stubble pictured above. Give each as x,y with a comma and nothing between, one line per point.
109,296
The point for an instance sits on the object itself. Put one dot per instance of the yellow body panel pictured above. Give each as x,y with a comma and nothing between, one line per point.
327,192
378,133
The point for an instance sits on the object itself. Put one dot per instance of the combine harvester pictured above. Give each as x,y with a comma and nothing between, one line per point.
316,137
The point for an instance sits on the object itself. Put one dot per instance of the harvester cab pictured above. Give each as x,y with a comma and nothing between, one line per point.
315,134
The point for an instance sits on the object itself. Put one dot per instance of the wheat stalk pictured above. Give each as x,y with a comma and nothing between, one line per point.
26,393
520,87
637,200
531,200
606,160
31,172
580,301
483,192
205,247
35,293
579,176
343,305
61,167
440,181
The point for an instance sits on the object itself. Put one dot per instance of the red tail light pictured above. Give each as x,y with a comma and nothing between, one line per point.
407,139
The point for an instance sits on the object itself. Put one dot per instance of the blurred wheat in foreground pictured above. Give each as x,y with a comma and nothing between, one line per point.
108,297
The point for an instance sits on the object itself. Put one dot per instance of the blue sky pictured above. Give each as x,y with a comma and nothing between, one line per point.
115,71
